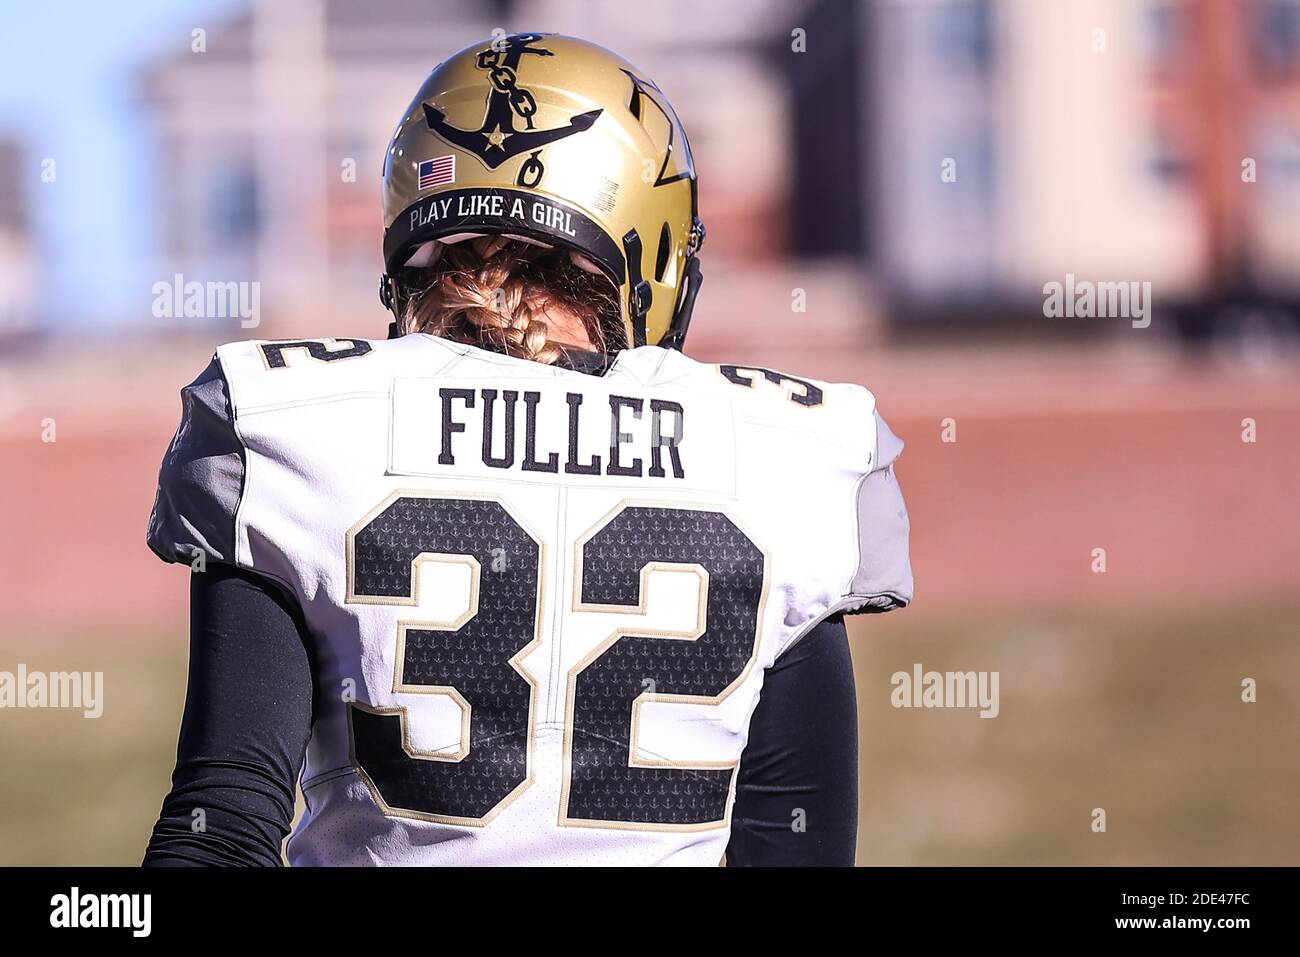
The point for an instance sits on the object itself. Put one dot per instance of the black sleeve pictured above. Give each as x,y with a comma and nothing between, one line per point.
797,787
248,713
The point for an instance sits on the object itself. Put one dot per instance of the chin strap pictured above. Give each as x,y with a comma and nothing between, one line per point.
693,278
388,297
676,335
639,294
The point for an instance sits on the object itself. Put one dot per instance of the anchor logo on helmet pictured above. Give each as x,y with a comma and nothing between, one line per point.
497,140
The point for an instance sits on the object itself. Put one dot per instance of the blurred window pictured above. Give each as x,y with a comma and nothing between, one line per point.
1282,154
1277,35
1165,35
975,144
13,180
963,34
234,204
1168,160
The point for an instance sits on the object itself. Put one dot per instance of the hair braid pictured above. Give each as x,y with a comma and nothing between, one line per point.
493,292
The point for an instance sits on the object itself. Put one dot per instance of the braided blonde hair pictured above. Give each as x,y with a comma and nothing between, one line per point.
493,292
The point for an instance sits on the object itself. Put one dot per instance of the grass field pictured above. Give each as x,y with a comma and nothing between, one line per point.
1138,713
86,791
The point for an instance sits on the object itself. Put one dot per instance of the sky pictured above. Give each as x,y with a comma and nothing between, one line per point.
68,79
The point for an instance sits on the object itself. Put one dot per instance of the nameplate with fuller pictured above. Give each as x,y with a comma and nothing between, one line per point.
562,431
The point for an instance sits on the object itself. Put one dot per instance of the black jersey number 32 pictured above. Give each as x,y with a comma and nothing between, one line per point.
475,660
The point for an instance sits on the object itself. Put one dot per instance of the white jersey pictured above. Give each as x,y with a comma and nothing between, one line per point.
543,601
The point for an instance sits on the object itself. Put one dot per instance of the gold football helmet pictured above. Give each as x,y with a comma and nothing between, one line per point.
555,140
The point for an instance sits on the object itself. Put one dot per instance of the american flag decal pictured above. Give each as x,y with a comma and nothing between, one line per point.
438,171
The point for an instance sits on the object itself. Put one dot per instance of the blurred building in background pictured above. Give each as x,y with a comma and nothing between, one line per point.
1117,140
272,140
953,154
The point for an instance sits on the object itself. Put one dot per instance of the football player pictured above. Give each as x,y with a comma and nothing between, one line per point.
522,583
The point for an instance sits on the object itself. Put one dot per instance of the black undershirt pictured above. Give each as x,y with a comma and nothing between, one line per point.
248,715
797,788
